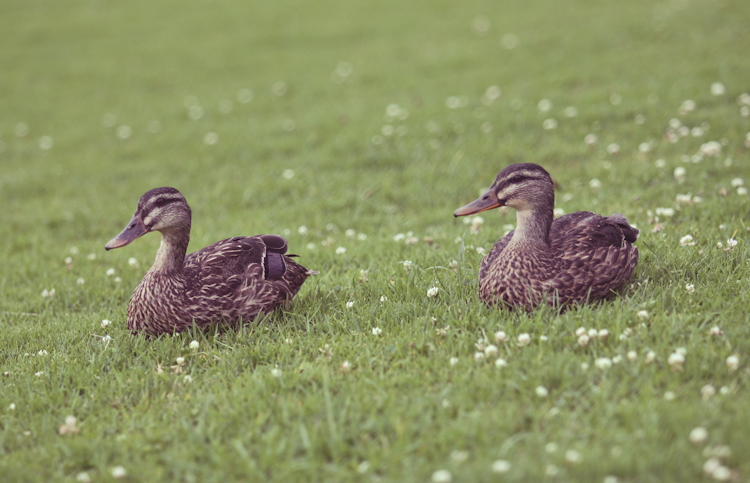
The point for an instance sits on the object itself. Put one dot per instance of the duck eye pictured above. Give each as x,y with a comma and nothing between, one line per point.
516,179
160,202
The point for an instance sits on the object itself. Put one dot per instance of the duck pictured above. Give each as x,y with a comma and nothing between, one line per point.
230,281
575,259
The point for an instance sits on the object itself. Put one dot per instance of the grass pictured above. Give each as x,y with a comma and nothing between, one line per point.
78,71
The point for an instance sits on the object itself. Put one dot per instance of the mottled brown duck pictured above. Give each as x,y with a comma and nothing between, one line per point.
577,258
232,280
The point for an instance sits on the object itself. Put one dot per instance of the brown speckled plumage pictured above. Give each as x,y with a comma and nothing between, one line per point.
577,258
232,280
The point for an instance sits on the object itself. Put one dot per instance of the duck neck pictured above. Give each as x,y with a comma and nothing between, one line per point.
172,251
532,226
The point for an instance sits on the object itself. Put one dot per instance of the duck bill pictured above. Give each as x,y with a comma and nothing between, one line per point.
486,202
136,228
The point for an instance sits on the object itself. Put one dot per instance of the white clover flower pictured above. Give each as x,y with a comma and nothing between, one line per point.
642,314
711,148
715,331
558,212
632,355
500,336
603,334
613,148
687,240
595,184
583,340
603,363
742,191
689,288
433,292
669,396
118,280
733,362
442,476
478,356
377,331
110,272
660,163
118,472
399,237
133,262
276,372
737,182
679,173
500,466
549,124
708,391
383,298
573,456
731,243
12,407
187,379
407,265
194,345
524,339
350,304
541,391
340,250
698,435
544,105
718,89
721,473
48,293
676,360
669,212
211,138
105,323
39,374
650,357
590,139
83,477
481,251
580,331
593,333
453,361
687,105
107,339
490,351
346,366
180,360
42,353
302,230
500,362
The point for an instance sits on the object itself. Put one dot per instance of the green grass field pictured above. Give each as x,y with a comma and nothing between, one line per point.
270,116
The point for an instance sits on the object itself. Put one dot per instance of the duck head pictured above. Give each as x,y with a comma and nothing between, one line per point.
523,186
161,209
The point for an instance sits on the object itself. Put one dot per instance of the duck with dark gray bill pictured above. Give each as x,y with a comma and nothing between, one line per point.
230,281
577,258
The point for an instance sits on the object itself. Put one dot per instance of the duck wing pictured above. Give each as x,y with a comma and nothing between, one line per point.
244,275
594,255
